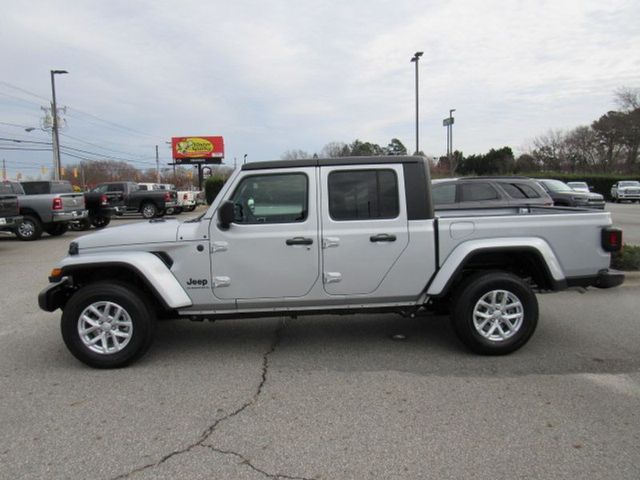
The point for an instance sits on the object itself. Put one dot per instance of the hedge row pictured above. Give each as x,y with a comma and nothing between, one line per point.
600,183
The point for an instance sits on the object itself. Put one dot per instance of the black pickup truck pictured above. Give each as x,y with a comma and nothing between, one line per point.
9,209
100,211
128,197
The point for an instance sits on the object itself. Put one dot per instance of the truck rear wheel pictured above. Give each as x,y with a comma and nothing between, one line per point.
29,229
107,325
149,210
494,313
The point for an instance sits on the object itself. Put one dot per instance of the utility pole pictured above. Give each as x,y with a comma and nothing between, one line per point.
416,59
4,170
157,166
56,140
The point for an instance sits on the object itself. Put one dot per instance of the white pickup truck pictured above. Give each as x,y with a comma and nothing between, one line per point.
347,235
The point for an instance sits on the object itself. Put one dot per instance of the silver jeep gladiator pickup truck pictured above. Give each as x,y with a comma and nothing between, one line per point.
347,235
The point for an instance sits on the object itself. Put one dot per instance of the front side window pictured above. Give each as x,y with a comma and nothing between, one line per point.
363,195
477,192
273,198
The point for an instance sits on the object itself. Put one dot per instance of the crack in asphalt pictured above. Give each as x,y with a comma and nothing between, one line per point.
212,428
247,462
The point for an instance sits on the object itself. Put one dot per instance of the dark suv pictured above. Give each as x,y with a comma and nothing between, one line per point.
565,196
473,192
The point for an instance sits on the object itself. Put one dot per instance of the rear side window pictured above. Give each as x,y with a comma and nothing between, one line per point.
520,190
363,195
476,192
444,194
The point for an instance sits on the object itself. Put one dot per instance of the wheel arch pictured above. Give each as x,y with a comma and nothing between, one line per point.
145,270
527,260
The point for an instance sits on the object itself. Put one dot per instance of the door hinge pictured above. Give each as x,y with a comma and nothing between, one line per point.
332,277
219,247
328,242
221,282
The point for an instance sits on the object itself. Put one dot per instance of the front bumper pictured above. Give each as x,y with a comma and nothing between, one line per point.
607,278
70,215
55,295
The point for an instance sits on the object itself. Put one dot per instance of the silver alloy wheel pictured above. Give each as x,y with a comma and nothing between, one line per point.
498,315
105,327
148,211
27,229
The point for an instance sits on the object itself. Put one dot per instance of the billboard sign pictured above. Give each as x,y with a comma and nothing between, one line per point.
201,149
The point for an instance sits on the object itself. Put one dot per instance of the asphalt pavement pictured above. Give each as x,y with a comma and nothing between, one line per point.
324,397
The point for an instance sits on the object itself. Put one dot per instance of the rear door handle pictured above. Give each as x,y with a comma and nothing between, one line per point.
299,241
383,237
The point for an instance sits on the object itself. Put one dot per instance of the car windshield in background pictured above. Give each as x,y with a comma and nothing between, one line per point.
578,185
630,183
5,189
557,186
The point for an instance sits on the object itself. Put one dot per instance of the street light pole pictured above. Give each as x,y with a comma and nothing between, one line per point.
415,59
57,164
451,139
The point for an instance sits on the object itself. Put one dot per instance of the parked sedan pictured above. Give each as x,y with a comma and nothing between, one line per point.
565,196
473,192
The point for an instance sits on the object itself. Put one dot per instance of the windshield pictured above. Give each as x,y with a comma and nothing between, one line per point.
557,186
578,185
630,183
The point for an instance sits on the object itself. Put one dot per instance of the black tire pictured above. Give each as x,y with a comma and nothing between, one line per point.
161,213
467,298
190,208
56,229
30,228
80,225
149,210
100,221
133,303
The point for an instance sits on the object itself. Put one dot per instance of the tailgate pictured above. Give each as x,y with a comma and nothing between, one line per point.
72,201
8,206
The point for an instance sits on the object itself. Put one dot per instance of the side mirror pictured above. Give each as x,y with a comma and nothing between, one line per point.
226,214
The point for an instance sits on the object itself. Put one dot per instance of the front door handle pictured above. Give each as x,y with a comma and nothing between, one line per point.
383,237
299,241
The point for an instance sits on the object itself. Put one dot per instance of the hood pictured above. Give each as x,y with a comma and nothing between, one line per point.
155,231
595,196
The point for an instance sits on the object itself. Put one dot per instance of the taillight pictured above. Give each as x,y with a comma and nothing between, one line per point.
185,196
57,203
104,200
167,197
611,239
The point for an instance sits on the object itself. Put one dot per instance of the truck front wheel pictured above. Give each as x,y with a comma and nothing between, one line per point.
56,229
494,313
107,325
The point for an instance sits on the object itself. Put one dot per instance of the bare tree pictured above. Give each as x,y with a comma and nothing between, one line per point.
295,155
628,99
333,150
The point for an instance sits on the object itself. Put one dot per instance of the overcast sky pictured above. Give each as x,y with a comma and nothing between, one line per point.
279,75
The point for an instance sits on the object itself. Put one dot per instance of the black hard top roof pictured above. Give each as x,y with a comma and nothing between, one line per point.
321,162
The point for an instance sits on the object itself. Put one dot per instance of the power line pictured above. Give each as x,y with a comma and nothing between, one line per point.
100,146
15,87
